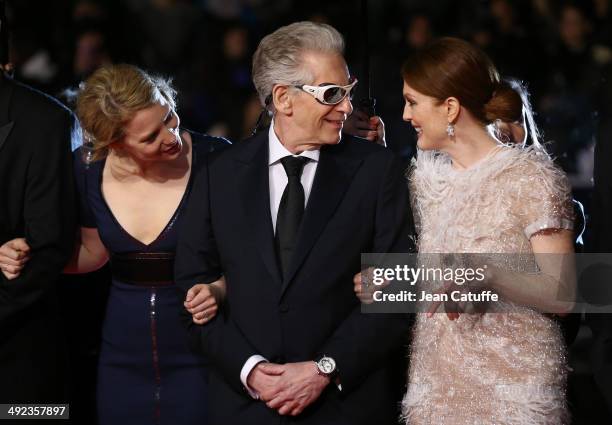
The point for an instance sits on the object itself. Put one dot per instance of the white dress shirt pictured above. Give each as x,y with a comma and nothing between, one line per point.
278,177
278,181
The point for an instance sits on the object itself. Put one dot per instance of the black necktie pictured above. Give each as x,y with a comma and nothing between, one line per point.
290,210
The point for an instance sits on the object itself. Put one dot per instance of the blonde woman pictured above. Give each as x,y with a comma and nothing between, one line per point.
134,176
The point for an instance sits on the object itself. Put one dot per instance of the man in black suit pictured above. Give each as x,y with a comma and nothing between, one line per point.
37,202
284,217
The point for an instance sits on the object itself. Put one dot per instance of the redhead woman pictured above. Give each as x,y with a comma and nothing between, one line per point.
472,193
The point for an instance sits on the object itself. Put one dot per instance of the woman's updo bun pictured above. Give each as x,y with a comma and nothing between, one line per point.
505,104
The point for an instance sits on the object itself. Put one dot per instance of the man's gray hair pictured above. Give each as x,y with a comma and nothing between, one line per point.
278,59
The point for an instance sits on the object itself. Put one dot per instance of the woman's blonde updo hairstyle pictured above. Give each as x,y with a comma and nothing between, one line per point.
111,96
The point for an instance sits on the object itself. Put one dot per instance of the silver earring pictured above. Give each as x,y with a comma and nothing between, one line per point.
87,151
450,130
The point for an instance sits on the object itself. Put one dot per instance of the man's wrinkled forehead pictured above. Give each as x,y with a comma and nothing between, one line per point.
324,67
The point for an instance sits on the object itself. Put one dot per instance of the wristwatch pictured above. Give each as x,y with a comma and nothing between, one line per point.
326,366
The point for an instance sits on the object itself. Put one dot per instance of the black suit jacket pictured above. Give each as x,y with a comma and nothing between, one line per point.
358,203
37,201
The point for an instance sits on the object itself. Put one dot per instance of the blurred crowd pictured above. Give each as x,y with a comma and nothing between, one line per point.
561,49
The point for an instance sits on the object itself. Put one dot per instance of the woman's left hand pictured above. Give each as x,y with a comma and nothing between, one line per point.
203,300
452,309
14,254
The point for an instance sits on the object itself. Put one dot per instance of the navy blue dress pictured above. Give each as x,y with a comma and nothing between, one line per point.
146,372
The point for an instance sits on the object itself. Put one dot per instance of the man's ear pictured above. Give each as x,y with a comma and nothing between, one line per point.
453,108
282,100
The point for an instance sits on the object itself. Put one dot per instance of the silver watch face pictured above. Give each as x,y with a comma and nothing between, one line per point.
327,365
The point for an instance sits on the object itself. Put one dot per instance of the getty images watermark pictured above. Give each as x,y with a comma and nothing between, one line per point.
410,283
406,274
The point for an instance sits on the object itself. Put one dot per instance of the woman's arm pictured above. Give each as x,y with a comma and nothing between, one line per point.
552,289
89,254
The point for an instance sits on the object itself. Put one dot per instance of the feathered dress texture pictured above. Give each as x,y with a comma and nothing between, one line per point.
507,365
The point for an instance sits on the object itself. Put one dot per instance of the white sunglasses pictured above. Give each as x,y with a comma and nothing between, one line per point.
330,94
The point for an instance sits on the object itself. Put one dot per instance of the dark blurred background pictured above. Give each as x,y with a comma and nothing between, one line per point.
561,49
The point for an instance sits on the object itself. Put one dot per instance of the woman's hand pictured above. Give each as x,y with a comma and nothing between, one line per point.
203,300
360,289
365,291
371,128
452,309
14,254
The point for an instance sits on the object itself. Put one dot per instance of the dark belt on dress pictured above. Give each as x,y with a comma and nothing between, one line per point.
144,268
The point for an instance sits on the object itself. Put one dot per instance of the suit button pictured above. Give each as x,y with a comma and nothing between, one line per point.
284,308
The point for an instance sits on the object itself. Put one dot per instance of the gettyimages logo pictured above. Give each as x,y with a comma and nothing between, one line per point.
411,275
483,282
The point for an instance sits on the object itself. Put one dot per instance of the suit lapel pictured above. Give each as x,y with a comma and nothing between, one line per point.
5,130
332,180
6,124
252,178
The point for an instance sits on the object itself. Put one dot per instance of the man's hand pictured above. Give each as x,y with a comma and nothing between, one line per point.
299,385
14,254
265,382
371,128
